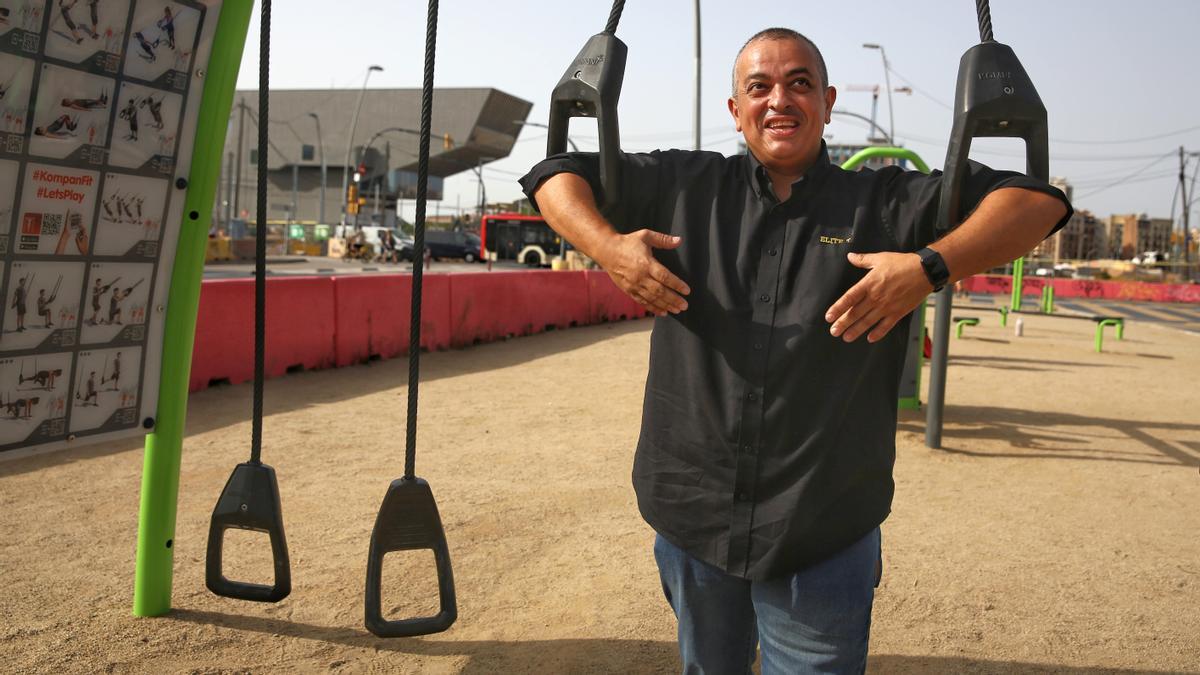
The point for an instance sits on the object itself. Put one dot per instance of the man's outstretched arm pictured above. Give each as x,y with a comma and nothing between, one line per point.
569,206
1008,223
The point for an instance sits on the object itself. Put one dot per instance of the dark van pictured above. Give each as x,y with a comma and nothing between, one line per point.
446,244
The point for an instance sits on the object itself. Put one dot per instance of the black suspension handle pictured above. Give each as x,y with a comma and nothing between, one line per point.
250,501
994,98
591,87
408,520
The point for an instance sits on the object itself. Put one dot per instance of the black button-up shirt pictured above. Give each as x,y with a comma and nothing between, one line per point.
767,444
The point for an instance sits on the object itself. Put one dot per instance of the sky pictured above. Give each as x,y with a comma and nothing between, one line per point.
1117,78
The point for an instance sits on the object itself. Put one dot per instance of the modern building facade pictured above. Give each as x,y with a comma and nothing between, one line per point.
470,127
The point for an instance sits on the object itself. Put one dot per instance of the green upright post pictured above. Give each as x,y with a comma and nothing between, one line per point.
1017,280
912,402
160,471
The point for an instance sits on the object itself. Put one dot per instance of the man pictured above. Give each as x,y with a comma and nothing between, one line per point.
130,113
765,457
43,308
20,293
116,373
62,127
98,291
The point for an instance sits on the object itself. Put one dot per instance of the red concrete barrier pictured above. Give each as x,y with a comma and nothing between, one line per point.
373,311
606,302
224,344
320,322
1085,288
494,305
299,329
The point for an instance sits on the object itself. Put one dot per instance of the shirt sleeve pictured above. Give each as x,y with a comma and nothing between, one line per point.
911,200
640,174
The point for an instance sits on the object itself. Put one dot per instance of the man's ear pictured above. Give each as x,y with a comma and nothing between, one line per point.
733,110
830,98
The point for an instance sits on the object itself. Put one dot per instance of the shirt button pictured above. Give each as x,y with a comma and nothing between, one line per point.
773,252
757,345
751,397
764,297
739,496
747,448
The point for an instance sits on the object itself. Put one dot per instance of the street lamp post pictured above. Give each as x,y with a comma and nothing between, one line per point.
350,141
324,167
696,115
887,79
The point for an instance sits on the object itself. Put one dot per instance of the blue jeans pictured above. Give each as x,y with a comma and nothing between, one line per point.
817,620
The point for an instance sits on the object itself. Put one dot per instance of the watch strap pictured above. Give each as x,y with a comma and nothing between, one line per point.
935,268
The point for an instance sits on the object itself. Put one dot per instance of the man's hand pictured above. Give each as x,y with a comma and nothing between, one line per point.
629,260
894,286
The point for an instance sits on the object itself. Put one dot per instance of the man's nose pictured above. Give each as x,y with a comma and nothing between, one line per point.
779,99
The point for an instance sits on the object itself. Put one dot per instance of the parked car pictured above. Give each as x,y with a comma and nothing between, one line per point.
446,244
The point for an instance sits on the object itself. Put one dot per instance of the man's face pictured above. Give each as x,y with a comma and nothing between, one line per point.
781,105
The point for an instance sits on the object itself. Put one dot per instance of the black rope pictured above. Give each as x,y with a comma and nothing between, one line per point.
260,238
984,10
414,333
614,17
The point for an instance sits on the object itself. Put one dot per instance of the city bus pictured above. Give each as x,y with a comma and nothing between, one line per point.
525,239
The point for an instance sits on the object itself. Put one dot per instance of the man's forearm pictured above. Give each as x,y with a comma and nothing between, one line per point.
569,207
1007,224
567,203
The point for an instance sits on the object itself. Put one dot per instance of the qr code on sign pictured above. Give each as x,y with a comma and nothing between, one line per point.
51,223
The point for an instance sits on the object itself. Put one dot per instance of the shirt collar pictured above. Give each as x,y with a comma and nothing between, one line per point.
757,176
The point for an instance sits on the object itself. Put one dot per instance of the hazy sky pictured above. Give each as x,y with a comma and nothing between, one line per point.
1115,76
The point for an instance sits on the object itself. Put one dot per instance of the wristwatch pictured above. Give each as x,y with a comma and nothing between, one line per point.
935,268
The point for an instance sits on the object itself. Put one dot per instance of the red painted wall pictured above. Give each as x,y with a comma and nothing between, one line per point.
1083,288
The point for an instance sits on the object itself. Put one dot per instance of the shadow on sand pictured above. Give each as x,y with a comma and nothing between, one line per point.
222,406
1039,433
592,656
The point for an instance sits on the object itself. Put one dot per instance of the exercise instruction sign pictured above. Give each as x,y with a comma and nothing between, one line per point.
98,107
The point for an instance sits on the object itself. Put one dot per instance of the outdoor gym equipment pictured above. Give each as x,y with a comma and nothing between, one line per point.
910,377
250,499
408,518
591,87
994,98
961,322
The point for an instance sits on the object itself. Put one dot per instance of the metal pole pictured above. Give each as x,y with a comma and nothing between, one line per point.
229,188
164,447
324,167
350,142
237,170
937,367
295,187
875,108
696,117
887,80
1183,193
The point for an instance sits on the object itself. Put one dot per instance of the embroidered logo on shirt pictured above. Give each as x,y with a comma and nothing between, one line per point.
834,240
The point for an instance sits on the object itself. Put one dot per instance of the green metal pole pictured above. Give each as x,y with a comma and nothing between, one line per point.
160,470
1017,281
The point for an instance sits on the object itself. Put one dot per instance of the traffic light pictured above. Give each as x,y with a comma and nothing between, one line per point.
352,199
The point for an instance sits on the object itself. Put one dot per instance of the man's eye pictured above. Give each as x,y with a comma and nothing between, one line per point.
755,86
802,81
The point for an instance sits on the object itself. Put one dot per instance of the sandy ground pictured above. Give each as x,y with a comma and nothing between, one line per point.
1055,533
